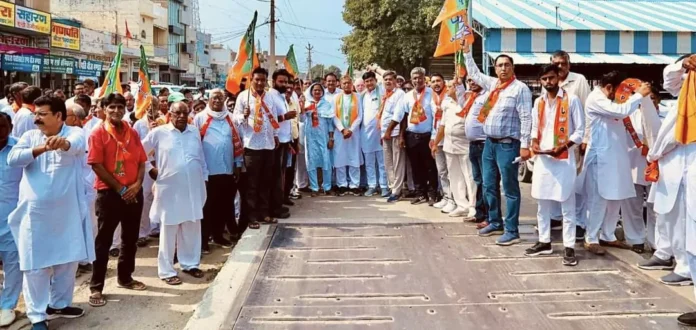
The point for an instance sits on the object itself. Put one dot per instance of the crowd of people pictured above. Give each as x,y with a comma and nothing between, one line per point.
84,179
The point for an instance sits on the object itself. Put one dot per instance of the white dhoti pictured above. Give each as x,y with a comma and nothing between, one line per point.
544,213
48,287
601,212
461,181
671,230
183,239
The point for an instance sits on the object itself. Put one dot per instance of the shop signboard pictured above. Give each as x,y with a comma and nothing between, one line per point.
51,64
7,14
32,20
65,36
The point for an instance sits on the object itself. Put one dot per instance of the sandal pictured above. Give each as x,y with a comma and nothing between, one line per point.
96,299
174,280
142,242
195,272
133,285
269,220
254,225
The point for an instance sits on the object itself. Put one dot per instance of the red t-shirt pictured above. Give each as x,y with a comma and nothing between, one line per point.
102,150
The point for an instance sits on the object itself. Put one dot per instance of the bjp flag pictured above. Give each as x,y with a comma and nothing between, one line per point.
452,32
626,89
247,60
451,8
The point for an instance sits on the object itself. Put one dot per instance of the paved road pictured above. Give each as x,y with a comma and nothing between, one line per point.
358,263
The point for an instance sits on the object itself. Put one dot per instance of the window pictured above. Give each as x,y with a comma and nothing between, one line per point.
143,34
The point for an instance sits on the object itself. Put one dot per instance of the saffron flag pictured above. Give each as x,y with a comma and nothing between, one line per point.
112,82
626,89
452,32
128,34
144,94
685,129
451,8
246,61
290,62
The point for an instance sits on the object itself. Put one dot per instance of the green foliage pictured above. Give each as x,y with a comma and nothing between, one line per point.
396,34
319,70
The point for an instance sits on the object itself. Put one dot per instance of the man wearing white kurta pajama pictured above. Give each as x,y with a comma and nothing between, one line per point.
346,151
50,247
180,194
554,176
370,140
606,174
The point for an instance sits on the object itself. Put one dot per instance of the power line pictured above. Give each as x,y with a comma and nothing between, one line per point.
313,29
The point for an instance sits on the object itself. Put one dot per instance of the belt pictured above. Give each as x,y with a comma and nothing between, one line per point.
478,142
502,140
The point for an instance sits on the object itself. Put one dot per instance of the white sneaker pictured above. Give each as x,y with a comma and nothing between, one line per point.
458,212
7,316
451,206
472,212
442,203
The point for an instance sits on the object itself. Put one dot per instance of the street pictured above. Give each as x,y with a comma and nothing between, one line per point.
336,264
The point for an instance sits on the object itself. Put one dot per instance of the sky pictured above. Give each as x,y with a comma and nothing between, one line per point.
319,22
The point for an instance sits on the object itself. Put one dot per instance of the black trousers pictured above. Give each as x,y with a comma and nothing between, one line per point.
422,163
221,190
290,171
111,210
278,177
259,165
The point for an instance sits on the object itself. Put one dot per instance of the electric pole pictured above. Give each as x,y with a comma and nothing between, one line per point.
273,54
309,61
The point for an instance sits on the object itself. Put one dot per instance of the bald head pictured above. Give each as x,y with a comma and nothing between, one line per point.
75,114
216,100
179,114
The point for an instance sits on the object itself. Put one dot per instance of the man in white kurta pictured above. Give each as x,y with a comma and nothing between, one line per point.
23,120
447,203
558,124
181,174
50,247
606,174
370,141
346,151
672,194
143,126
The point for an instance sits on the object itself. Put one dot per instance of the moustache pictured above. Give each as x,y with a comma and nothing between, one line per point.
38,122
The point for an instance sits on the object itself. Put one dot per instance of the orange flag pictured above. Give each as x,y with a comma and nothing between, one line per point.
451,8
685,129
452,31
247,60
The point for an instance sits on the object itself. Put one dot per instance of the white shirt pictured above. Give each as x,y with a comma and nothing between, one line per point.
576,84
93,123
263,140
217,144
406,106
455,141
285,130
89,175
474,128
8,110
9,194
371,129
52,184
22,122
330,96
554,179
180,186
390,106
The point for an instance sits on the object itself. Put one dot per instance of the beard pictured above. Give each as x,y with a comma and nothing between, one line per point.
282,89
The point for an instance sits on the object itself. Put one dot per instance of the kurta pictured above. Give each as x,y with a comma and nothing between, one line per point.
554,179
22,122
316,139
180,186
347,151
9,194
371,129
608,146
52,185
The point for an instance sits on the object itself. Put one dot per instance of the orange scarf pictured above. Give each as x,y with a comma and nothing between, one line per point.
560,126
493,99
685,129
467,105
634,136
438,109
258,113
236,141
122,142
418,113
381,106
15,107
314,113
84,122
652,172
347,118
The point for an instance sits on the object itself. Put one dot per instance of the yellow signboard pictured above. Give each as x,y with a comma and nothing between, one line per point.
7,13
32,20
65,36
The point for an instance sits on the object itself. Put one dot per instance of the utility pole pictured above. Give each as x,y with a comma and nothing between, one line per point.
309,61
273,54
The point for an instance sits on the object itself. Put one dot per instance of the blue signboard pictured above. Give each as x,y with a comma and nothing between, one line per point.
51,64
22,63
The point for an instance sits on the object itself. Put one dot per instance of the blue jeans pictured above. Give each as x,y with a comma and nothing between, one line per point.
497,163
314,181
476,158
12,286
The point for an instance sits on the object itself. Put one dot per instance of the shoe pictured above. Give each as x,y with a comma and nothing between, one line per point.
539,249
394,198
142,242
410,194
419,200
283,209
7,316
450,207
342,191
330,193
221,241
385,193
638,248
370,192
616,244
556,224
458,212
114,253
288,202
569,258
687,319
508,239
40,326
655,263
490,230
595,248
355,192
441,204
579,233
676,280
205,250
87,268
154,235
65,313
296,195
482,224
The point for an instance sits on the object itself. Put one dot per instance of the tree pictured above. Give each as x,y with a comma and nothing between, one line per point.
319,70
396,35
336,70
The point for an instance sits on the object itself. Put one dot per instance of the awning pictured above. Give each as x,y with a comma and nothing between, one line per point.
12,49
590,58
